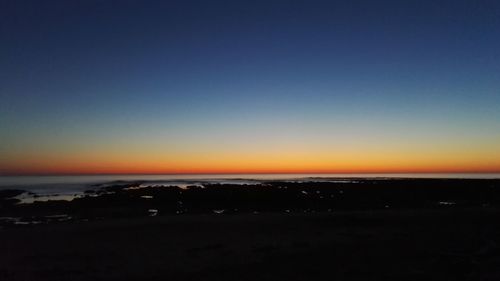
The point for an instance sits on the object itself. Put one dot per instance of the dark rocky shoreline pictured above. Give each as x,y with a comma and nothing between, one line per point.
373,230
132,199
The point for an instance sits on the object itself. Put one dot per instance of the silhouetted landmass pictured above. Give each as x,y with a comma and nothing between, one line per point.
365,229
124,199
7,199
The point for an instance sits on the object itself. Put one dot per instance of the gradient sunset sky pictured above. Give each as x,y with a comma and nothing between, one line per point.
249,86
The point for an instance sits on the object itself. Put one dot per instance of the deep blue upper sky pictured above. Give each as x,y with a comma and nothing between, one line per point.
98,71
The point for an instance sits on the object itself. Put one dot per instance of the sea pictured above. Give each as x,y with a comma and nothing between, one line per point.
43,188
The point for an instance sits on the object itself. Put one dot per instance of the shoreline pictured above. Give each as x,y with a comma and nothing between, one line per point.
140,199
379,230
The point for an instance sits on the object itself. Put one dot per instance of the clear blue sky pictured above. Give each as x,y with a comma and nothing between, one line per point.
170,85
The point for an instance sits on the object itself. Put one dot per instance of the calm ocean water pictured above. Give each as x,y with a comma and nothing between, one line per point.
58,184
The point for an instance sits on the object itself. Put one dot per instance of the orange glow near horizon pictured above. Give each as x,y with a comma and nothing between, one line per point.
250,165
251,155
140,171
249,88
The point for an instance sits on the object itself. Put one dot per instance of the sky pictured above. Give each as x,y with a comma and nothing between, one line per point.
102,86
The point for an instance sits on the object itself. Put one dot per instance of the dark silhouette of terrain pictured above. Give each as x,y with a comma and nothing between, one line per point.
367,229
125,199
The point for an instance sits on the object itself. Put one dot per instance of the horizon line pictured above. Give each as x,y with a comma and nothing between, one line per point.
241,173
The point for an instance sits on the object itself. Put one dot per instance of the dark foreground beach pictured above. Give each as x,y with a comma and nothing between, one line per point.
363,230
